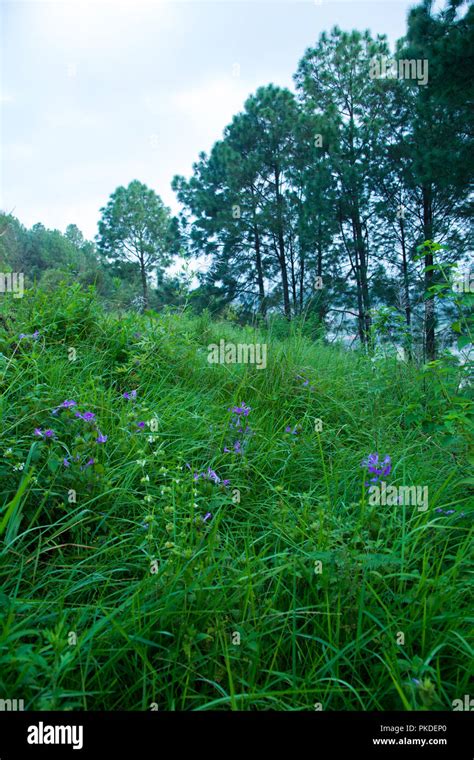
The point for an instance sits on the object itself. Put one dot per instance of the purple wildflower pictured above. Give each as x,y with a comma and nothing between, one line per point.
21,336
65,405
210,475
88,416
89,462
239,412
37,431
132,394
66,463
376,468
141,425
48,434
101,438
242,409
207,516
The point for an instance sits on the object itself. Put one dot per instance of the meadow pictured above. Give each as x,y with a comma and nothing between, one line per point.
183,535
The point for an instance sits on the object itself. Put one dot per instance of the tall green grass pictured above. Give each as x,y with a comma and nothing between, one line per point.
295,594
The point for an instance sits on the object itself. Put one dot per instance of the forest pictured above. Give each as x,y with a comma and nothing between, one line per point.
336,203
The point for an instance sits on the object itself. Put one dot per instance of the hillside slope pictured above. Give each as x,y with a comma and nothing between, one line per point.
182,535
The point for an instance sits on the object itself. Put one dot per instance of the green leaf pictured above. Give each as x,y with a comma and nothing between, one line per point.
464,340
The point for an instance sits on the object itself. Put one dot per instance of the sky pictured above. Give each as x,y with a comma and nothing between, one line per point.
96,94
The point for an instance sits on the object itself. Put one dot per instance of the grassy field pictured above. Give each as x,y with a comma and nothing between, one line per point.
133,576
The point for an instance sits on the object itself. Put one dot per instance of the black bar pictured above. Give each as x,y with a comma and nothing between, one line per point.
215,734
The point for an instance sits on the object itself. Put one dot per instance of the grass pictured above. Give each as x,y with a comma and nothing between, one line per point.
297,594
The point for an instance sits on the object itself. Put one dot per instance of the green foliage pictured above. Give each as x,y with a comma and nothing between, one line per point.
126,596
136,226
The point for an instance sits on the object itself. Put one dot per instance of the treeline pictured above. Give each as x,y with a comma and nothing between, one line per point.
344,203
341,184
49,257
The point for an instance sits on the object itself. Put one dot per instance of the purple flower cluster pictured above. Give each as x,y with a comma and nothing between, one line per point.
46,434
239,413
292,431
449,512
131,396
210,475
65,405
237,423
33,336
87,417
305,382
237,447
376,468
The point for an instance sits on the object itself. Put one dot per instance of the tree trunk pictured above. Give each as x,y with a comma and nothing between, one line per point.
301,283
319,273
258,258
361,280
281,248
293,279
430,316
406,289
144,284
258,261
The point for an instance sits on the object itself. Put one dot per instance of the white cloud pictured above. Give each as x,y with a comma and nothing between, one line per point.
82,25
72,118
211,106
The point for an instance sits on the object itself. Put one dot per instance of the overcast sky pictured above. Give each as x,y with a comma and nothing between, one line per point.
96,94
